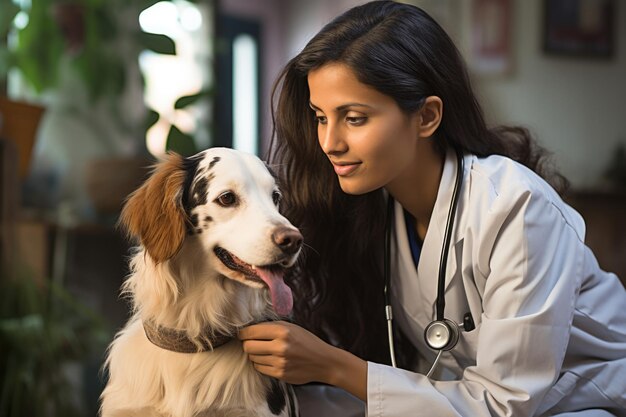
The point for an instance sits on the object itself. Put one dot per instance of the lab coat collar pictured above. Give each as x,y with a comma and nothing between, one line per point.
428,266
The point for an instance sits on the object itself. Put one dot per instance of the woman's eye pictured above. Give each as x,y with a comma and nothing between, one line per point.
227,199
320,119
356,120
276,197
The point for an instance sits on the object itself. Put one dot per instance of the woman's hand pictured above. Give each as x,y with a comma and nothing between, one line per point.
292,354
285,351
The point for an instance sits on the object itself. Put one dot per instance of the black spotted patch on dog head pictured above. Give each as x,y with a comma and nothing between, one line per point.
190,166
198,225
192,227
200,191
214,161
196,190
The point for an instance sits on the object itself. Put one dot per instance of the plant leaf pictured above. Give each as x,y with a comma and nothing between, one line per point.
6,61
146,4
40,48
9,11
185,101
22,331
180,142
151,118
158,43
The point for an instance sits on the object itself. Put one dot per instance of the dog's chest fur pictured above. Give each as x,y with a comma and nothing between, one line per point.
171,384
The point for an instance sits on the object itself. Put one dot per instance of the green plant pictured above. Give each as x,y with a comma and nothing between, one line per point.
42,329
84,30
88,33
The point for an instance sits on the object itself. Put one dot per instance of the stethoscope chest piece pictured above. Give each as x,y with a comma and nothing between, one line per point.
441,334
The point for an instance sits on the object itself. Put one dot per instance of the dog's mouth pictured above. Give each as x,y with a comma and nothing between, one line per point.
270,275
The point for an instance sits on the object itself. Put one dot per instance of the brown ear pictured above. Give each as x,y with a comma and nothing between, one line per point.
154,213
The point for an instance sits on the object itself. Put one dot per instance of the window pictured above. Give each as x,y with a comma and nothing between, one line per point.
238,91
245,94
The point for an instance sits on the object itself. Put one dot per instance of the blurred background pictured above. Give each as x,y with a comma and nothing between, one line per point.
92,91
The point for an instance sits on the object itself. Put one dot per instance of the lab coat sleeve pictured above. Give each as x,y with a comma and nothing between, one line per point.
531,258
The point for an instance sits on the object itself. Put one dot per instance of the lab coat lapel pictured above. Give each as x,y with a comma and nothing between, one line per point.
428,268
406,286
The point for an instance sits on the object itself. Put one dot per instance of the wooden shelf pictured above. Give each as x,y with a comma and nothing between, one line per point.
604,211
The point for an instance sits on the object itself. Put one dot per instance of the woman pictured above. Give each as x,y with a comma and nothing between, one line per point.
372,114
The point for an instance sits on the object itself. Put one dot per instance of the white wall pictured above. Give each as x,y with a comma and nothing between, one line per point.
306,18
576,107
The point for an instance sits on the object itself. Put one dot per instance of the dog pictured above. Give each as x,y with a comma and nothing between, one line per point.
212,252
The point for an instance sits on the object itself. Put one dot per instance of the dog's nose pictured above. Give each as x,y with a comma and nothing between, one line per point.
287,239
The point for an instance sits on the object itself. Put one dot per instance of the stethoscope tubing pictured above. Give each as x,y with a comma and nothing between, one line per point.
440,301
456,193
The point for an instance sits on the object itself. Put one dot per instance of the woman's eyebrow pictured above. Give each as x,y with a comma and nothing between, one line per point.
343,106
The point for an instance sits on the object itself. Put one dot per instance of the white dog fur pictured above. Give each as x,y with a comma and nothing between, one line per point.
188,207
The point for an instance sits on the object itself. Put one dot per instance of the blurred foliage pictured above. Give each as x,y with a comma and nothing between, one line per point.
177,140
85,29
91,33
42,329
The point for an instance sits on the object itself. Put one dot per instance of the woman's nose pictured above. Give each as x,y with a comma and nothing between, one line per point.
331,139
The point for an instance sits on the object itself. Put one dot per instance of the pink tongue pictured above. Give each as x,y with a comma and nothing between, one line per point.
282,300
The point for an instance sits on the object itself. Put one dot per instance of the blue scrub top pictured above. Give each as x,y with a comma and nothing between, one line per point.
415,242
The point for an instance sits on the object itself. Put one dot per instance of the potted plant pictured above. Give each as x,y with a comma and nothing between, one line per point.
43,328
88,34
81,55
19,122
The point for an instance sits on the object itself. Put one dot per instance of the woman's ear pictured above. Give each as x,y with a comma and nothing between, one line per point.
154,213
429,116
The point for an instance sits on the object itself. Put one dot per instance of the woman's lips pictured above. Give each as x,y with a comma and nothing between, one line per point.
345,169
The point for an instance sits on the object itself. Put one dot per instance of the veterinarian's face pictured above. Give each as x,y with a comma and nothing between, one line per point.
364,133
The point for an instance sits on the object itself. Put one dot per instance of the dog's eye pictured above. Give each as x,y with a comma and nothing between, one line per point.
277,196
226,199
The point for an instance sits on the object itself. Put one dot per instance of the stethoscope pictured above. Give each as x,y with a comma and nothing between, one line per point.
441,334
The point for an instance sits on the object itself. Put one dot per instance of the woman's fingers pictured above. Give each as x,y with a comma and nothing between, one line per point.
262,359
285,351
259,347
263,331
270,365
266,360
267,370
265,339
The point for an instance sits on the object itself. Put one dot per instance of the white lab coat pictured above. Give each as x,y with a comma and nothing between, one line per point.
550,333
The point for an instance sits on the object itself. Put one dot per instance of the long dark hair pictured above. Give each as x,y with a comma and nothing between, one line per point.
402,52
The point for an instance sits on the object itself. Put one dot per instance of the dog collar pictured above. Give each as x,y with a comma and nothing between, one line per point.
178,340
